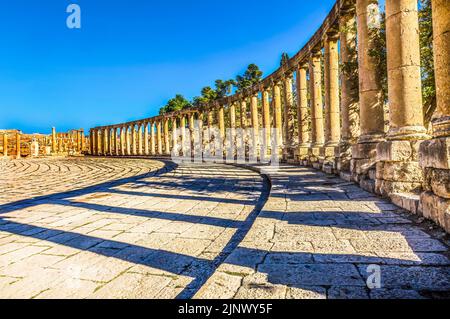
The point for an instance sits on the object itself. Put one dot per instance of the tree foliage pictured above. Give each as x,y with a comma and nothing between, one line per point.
251,77
179,102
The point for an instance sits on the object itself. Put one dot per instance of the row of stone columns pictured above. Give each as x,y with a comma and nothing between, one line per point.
341,125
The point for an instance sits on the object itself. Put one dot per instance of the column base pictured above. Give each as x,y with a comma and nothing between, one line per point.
436,208
363,162
330,154
398,169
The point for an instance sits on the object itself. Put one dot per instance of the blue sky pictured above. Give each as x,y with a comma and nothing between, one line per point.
131,56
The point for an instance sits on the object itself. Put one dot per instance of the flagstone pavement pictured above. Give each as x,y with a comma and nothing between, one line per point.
140,228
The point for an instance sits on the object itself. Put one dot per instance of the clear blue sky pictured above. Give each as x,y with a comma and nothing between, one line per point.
130,56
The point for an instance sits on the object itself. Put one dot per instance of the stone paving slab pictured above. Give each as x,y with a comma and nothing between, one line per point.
135,228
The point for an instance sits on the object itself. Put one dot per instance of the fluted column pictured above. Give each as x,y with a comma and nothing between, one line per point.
255,123
277,115
332,107
54,146
146,146
18,149
435,154
315,73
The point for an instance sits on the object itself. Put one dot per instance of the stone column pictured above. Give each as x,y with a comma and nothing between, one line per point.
267,125
18,150
166,137
349,91
277,115
98,142
370,97
332,108
140,140
243,106
122,140
183,133
116,144
174,133
91,142
128,140
133,139
221,118
288,128
5,144
146,146
192,132
435,154
54,145
159,137
152,139
406,123
315,74
255,123
303,118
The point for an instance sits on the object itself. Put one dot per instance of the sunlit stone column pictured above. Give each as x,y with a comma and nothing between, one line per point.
166,136
267,125
152,139
406,122
221,118
91,142
243,108
174,132
109,141
105,142
278,125
183,133
315,73
18,149
349,90
98,139
303,118
133,139
54,146
122,141
5,144
146,146
435,154
332,115
159,137
255,122
370,96
128,140
332,91
140,139
288,105
83,140
192,132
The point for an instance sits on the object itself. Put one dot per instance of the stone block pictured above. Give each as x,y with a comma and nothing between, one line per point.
364,151
368,185
386,188
400,172
362,166
407,201
436,208
315,151
438,181
394,151
435,153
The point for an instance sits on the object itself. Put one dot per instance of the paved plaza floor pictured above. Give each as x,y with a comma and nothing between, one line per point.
138,228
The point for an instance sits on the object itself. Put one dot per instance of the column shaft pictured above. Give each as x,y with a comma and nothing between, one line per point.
266,116
404,76
18,144
315,73
288,104
302,107
332,115
277,114
370,92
